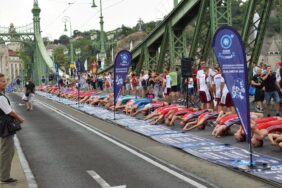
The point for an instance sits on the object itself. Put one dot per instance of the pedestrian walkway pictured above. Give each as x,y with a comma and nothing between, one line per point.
17,173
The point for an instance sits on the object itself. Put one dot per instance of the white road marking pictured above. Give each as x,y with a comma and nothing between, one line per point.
28,173
101,181
95,130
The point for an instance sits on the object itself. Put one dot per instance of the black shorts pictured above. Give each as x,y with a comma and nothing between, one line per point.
259,95
174,88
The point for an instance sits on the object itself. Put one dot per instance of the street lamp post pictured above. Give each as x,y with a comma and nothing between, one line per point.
102,54
65,20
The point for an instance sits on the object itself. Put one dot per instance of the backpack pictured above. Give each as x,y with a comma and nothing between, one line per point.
134,82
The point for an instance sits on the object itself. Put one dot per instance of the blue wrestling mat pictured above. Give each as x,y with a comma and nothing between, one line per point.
265,167
152,130
182,140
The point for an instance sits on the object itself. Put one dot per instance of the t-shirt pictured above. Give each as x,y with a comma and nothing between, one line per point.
30,87
217,81
4,105
201,76
258,79
173,76
190,83
168,81
269,83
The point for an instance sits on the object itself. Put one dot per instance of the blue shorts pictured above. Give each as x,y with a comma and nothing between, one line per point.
272,94
191,91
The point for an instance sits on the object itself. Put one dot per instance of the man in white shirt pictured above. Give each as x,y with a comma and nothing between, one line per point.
204,91
7,147
217,89
167,86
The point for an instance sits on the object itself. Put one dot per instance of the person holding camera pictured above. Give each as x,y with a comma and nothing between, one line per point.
7,148
271,92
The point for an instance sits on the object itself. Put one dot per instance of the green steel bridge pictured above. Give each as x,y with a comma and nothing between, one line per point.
168,42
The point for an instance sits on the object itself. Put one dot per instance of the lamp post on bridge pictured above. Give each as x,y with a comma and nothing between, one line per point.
102,54
65,20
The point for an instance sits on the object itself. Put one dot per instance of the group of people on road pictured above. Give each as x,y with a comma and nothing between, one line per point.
216,108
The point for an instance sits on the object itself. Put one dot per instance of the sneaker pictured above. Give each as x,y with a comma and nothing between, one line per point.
10,180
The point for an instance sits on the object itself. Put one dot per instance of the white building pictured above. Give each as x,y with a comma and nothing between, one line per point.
10,63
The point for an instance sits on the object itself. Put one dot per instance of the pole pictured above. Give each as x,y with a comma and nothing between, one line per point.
251,154
115,92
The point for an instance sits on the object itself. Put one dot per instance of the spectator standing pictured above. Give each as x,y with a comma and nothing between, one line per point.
29,90
204,93
167,86
18,83
7,148
174,85
43,80
257,82
271,91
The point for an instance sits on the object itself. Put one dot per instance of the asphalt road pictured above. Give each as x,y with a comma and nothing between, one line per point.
63,153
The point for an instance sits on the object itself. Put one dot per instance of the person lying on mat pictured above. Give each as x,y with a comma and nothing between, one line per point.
122,101
149,107
85,96
160,113
94,99
240,135
275,139
199,122
137,103
223,125
260,131
190,116
178,113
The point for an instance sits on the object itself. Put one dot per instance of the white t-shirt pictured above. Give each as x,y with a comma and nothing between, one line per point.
190,83
217,81
201,76
4,105
168,81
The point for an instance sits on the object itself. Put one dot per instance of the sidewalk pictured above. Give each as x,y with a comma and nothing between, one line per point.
17,172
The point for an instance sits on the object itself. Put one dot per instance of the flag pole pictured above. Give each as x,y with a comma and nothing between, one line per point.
251,154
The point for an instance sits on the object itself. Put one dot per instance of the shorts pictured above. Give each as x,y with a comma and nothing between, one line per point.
228,101
203,97
174,88
259,95
167,91
191,91
272,94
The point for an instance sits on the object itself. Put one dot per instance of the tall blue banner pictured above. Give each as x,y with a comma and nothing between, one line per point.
231,57
78,64
121,66
57,72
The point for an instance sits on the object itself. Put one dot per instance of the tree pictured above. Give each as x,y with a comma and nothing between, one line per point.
64,39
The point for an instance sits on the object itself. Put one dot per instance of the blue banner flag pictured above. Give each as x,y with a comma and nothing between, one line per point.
231,57
57,72
121,66
78,64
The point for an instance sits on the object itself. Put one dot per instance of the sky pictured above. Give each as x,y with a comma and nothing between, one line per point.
82,16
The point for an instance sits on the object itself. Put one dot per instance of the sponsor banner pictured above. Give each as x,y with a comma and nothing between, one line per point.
121,66
231,57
